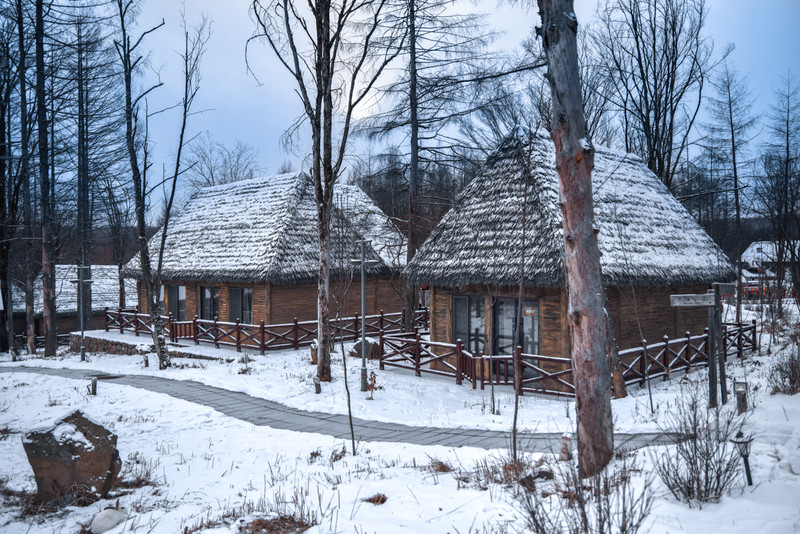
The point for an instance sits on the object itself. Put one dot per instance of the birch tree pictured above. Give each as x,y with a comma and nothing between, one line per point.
328,47
588,321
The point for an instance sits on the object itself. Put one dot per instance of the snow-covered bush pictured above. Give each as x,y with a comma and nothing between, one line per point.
703,463
784,375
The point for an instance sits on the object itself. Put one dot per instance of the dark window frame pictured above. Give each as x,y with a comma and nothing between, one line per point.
474,338
240,304
209,305
174,303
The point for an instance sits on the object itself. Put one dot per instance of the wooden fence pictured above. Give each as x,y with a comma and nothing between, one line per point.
536,373
262,337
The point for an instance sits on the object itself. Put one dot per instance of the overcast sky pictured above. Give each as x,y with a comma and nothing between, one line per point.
237,106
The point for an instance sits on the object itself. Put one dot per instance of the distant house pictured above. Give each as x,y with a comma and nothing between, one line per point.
764,254
762,260
248,251
650,245
105,293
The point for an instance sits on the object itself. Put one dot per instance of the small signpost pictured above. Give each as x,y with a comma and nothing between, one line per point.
716,359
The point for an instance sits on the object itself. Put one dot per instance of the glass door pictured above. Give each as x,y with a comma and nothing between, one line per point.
505,319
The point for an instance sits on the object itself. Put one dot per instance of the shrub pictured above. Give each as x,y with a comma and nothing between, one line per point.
702,464
603,504
784,375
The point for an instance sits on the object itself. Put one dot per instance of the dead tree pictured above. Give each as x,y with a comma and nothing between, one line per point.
588,323
328,48
131,60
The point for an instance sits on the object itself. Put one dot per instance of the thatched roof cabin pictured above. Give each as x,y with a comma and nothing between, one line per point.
259,237
646,237
650,247
104,290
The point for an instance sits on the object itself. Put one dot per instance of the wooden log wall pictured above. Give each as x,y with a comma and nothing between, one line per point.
630,309
277,304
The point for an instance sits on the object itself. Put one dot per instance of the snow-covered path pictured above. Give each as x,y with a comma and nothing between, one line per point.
280,417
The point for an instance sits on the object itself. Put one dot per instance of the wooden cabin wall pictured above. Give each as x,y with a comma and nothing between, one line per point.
650,309
277,304
552,314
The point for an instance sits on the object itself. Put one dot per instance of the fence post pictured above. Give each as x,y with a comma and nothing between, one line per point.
474,369
666,356
119,319
688,351
725,342
261,337
295,341
238,337
643,364
106,318
380,322
216,332
518,370
136,320
172,333
195,331
483,371
755,338
403,321
417,342
355,329
459,348
380,350
740,341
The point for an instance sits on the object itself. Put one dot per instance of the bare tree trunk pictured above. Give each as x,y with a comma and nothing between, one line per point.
587,318
125,50
48,256
413,172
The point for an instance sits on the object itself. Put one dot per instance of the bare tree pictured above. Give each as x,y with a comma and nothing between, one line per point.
732,122
658,60
588,322
131,61
213,163
778,188
328,47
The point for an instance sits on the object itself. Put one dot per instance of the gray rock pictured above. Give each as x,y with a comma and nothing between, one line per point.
373,349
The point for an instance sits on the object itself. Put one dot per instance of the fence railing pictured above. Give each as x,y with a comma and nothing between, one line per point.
263,337
536,373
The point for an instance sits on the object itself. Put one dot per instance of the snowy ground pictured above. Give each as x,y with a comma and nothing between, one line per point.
206,465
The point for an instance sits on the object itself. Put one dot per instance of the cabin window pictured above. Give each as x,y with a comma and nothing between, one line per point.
240,304
505,325
176,301
209,302
469,322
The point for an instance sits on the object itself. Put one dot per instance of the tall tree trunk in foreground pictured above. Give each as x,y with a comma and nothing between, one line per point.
48,256
587,318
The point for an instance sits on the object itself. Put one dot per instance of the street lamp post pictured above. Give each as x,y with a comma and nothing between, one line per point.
79,286
743,444
364,264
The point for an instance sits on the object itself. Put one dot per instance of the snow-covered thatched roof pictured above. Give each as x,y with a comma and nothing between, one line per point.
105,290
761,252
257,230
646,237
371,222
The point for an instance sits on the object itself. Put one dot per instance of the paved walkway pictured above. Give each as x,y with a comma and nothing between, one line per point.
267,413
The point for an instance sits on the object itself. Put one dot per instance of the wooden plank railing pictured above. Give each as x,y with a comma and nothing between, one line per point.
536,373
262,337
